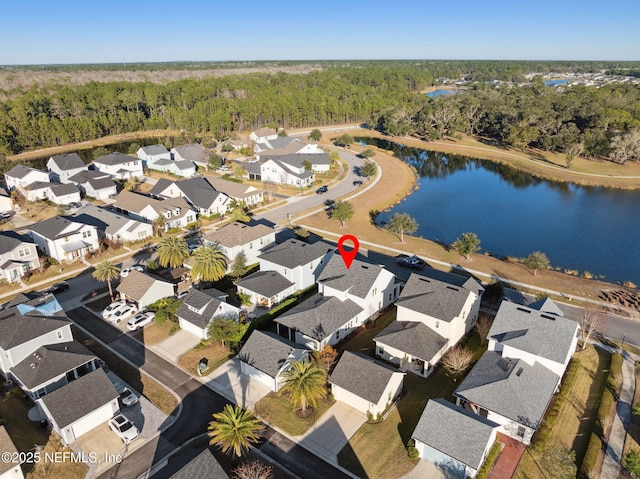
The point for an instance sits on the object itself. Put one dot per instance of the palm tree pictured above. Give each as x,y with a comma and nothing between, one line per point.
106,271
305,384
208,264
172,251
158,224
234,429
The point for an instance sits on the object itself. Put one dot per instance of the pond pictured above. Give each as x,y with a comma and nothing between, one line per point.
436,93
556,82
590,229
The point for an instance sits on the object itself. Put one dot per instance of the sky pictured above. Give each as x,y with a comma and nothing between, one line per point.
114,31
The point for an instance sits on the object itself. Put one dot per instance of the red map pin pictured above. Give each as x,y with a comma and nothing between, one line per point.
348,255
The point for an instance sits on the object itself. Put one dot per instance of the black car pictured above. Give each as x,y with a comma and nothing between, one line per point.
412,262
57,287
357,182
322,189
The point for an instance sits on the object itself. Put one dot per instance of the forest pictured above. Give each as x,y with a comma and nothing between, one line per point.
594,122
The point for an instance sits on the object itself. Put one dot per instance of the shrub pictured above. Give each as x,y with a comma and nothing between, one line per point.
484,470
52,261
411,449
591,457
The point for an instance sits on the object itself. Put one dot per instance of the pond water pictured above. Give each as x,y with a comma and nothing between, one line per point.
555,82
436,93
513,213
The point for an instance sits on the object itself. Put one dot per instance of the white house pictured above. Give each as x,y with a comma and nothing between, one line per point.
365,384
64,240
95,184
21,176
319,162
64,194
144,289
183,168
297,261
239,237
244,194
6,204
194,152
263,135
288,172
119,166
176,212
9,469
434,312
63,167
265,357
200,307
18,255
112,226
453,438
266,288
151,154
80,406
198,192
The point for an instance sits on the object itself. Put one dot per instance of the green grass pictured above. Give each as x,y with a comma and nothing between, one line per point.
277,410
362,341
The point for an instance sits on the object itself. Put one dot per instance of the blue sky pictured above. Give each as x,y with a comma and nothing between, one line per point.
87,31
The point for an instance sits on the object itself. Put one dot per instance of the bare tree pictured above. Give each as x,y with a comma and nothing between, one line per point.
589,323
482,327
253,470
457,360
270,188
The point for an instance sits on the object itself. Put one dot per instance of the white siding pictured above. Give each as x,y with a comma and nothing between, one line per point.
88,422
14,355
157,291
356,402
192,328
258,375
454,467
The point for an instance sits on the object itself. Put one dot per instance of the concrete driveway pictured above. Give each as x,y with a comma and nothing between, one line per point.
428,469
176,345
332,431
230,383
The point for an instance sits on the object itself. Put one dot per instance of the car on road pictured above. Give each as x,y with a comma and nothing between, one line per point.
140,320
412,262
357,182
123,428
127,398
322,189
60,287
123,312
136,267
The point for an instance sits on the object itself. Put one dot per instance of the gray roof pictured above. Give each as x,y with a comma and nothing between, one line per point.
39,185
103,220
6,445
68,161
286,166
84,176
233,189
454,279
64,189
293,253
412,337
198,191
237,234
20,171
267,352
454,431
101,183
281,141
53,227
357,280
260,132
265,283
161,185
510,387
153,150
136,284
203,466
542,334
362,376
207,299
10,240
136,202
17,328
194,152
80,397
318,317
115,158
546,305
432,297
49,362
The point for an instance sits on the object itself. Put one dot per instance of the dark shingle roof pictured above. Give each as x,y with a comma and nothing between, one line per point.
510,387
412,337
357,280
64,189
268,352
115,158
546,305
261,132
7,446
362,376
161,185
293,253
194,152
237,234
53,227
68,161
318,317
101,183
203,466
80,397
542,334
454,431
9,240
84,176
153,150
233,189
20,171
198,300
49,362
265,283
199,191
454,279
17,329
136,284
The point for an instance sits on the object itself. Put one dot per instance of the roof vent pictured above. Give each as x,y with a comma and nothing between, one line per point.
452,288
365,267
545,316
524,310
33,365
422,278
519,372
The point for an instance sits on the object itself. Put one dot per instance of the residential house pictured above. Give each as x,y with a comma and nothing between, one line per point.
370,286
266,288
198,192
63,239
80,406
176,211
52,366
119,166
453,438
239,237
63,167
317,162
6,203
263,135
319,321
151,154
365,384
266,356
288,172
20,176
184,168
144,289
285,145
60,194
194,152
434,312
243,194
10,466
299,262
112,226
18,255
200,307
203,465
95,184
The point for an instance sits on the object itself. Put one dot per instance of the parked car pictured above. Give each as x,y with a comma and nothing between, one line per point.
123,312
322,189
193,247
5,216
224,168
112,308
140,320
127,398
123,428
57,287
136,267
412,262
357,182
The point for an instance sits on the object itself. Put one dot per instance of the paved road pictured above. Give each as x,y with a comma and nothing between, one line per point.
198,404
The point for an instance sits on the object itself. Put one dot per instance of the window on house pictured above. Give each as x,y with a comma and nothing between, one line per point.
23,252
40,392
86,234
437,324
521,431
250,245
381,350
390,296
310,265
59,335
374,292
379,304
338,334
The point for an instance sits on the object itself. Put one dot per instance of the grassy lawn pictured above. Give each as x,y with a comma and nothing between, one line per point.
53,273
362,341
108,254
577,417
277,410
156,332
215,352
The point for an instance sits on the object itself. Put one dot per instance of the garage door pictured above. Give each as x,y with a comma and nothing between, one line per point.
258,375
